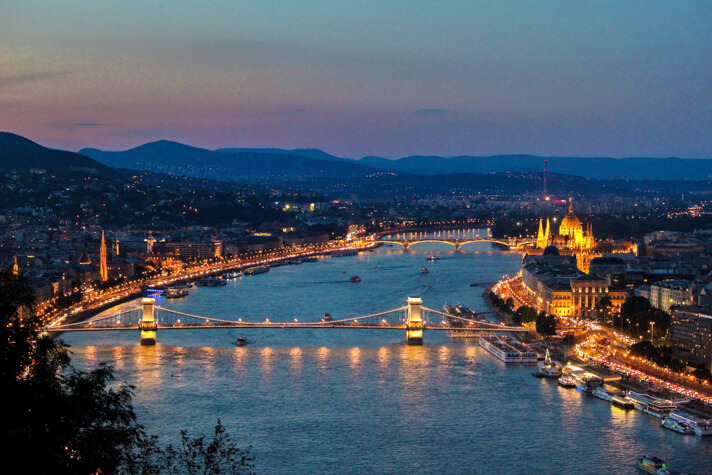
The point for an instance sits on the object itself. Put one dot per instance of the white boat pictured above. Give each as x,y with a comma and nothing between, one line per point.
549,368
603,393
650,464
508,349
701,427
624,402
704,430
256,270
652,406
677,426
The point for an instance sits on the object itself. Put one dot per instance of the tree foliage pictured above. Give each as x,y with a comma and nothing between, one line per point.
637,313
60,420
525,314
546,324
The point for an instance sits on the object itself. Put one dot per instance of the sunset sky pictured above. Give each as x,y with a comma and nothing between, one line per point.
355,78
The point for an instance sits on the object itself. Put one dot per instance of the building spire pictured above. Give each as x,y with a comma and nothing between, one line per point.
547,234
571,206
15,267
116,245
540,243
103,269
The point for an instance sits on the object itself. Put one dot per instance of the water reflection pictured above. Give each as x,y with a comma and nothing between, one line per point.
295,359
322,359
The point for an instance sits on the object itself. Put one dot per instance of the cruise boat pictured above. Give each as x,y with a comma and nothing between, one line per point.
241,341
652,406
677,426
432,257
584,380
603,393
549,368
508,349
650,464
701,427
624,402
566,381
175,292
354,278
256,270
327,318
344,253
465,317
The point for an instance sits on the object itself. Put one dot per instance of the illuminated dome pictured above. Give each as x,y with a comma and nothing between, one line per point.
570,225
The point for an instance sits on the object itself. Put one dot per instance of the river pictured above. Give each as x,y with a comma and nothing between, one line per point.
354,401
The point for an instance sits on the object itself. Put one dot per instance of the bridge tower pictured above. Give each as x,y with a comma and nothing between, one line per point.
414,325
148,325
458,245
406,245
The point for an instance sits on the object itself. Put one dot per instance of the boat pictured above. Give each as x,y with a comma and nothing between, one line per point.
603,393
345,253
677,426
424,270
549,368
704,429
650,464
354,278
432,257
624,402
701,427
566,381
256,270
652,406
175,292
211,282
584,380
508,349
327,318
241,341
461,318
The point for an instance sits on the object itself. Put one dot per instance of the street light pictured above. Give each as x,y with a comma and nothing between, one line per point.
652,326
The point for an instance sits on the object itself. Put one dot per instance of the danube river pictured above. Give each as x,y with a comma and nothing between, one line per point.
349,401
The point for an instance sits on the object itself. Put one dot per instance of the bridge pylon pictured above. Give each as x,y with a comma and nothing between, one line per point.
414,324
458,245
148,324
406,245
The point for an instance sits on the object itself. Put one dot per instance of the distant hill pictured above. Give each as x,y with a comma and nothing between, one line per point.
594,167
19,153
179,159
303,152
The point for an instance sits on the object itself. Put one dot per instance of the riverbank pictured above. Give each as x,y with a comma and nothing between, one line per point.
506,317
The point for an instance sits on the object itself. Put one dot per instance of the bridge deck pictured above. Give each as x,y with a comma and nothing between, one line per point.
351,326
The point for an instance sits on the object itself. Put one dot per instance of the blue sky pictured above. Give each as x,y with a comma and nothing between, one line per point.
389,78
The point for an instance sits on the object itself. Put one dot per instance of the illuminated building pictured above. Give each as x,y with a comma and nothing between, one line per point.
692,333
103,270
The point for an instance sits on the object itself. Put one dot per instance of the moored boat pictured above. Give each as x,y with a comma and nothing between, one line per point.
677,426
175,292
650,464
256,270
549,368
566,381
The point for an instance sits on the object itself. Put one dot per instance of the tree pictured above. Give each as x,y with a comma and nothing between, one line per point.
60,420
603,308
546,324
525,314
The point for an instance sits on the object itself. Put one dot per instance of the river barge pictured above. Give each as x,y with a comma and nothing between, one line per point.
508,349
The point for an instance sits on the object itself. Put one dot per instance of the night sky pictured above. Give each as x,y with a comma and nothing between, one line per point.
355,78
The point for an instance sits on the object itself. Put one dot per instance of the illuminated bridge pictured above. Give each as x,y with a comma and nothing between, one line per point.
455,238
412,318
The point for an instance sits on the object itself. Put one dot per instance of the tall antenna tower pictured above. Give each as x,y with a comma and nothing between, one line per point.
546,179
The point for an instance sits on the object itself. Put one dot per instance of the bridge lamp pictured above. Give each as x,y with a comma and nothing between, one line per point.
295,320
383,320
266,320
239,320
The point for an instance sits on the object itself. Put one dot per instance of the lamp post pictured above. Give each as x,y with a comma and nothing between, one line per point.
652,333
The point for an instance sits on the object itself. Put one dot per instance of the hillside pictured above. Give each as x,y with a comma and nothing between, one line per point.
178,159
593,167
21,154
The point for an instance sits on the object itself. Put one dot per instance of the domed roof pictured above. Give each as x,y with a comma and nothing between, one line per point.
570,221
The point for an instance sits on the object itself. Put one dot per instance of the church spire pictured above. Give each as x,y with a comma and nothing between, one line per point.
15,267
116,245
547,234
540,242
571,206
103,269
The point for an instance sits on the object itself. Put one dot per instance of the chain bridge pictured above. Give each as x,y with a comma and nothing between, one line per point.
412,318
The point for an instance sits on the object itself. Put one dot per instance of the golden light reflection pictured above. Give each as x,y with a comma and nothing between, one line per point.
323,358
239,358
91,356
384,356
117,354
355,359
471,352
267,359
295,359
149,375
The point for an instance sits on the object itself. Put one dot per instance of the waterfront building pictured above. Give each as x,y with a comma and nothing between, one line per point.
692,333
